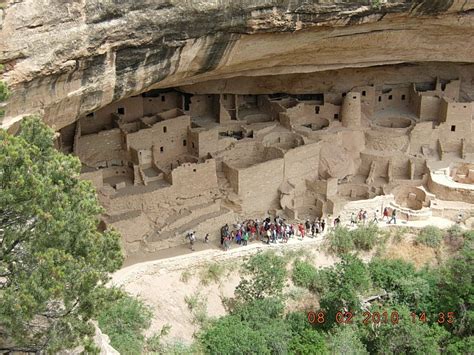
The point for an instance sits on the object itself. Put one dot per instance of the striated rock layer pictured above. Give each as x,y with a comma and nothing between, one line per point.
65,59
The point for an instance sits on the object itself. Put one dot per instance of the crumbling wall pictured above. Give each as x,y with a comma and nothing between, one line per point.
456,124
163,102
168,138
96,149
191,178
259,185
302,162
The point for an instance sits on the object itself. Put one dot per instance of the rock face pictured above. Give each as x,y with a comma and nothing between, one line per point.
64,59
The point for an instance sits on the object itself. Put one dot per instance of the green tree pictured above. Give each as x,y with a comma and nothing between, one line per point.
346,339
53,258
265,275
456,287
308,342
348,280
124,321
405,337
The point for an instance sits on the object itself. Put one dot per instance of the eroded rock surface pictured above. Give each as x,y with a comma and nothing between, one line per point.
65,59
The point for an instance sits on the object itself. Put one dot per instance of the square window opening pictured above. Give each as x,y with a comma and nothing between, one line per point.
390,97
364,93
336,116
121,110
453,128
317,109
184,142
403,97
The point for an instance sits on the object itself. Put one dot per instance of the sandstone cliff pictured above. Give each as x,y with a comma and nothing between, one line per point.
67,58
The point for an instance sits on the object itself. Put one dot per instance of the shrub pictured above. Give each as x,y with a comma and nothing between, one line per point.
340,241
365,237
124,322
304,274
185,276
212,273
266,275
308,341
430,236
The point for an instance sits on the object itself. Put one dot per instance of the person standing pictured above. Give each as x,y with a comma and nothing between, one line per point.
394,217
385,214
353,219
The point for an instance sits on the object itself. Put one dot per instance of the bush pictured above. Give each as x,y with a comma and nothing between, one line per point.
340,241
430,236
304,274
124,322
266,275
386,273
308,342
365,237
212,273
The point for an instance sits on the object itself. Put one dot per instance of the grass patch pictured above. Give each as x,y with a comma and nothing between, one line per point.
430,236
212,273
198,307
185,276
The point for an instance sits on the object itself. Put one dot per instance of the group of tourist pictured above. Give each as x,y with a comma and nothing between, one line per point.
269,231
279,230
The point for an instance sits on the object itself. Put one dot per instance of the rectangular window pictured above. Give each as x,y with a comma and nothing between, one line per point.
354,97
380,98
121,110
163,98
403,97
336,116
364,93
390,97
192,144
164,129
453,128
162,149
184,142
317,109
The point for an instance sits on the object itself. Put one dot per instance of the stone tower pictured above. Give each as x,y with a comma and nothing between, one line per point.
351,110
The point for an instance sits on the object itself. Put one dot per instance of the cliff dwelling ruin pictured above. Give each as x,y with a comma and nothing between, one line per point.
192,114
167,161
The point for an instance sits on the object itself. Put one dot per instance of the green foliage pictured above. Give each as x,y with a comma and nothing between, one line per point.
304,274
228,335
430,236
124,322
342,240
406,337
212,273
348,279
365,237
185,276
153,343
259,321
4,92
456,288
345,339
52,256
308,342
265,276
198,307
406,285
